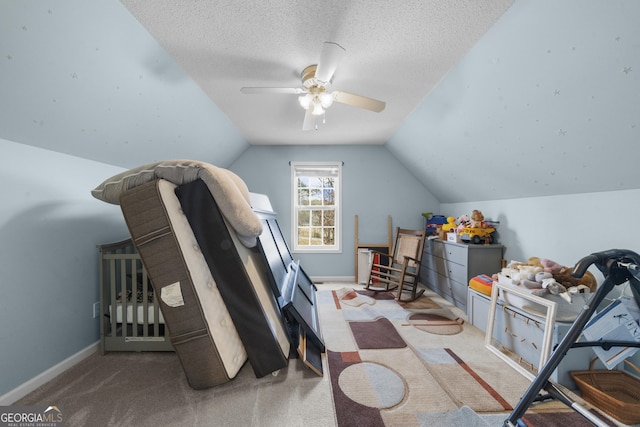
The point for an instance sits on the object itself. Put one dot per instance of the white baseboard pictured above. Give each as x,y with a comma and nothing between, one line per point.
35,382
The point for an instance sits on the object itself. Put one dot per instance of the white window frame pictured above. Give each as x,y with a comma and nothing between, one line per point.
315,169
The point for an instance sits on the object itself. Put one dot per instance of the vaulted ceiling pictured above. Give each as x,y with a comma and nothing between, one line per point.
485,99
396,51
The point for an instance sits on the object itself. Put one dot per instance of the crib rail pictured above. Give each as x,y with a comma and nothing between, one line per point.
130,316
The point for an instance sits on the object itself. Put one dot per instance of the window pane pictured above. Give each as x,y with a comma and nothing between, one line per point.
303,181
303,236
316,236
303,197
329,197
303,218
316,218
329,236
316,196
329,218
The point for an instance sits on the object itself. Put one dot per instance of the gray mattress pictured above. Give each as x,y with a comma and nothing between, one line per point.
200,327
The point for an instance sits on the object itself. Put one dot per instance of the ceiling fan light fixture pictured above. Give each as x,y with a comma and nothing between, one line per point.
317,107
313,96
326,99
305,100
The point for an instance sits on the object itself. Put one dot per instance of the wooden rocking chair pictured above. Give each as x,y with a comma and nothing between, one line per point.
402,269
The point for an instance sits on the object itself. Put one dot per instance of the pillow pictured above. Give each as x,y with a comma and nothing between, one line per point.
228,189
110,189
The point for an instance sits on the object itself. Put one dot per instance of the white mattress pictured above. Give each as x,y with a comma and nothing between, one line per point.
217,316
140,312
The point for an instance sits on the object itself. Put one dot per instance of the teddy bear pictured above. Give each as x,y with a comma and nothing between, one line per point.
477,219
463,221
562,274
553,278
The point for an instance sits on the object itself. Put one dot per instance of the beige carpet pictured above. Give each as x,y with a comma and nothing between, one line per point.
150,389
433,380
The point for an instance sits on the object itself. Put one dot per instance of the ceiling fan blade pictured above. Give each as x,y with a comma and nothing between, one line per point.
330,57
309,120
277,90
358,101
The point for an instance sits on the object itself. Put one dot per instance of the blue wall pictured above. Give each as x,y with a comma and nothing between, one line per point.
562,228
374,185
49,228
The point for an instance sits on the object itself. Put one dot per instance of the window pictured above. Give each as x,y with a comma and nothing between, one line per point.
316,206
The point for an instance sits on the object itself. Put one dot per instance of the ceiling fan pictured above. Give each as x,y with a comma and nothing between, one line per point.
314,95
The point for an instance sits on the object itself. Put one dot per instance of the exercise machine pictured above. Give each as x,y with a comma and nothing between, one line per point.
618,266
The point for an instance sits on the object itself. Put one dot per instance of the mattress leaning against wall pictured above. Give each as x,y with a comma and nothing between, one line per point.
200,327
241,276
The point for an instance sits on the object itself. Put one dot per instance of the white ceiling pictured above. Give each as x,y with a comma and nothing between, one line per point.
396,51
486,99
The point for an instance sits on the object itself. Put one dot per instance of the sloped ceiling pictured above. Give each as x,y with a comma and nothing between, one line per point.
485,100
83,77
396,51
546,103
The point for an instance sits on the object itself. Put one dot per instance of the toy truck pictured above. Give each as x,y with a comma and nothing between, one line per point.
477,234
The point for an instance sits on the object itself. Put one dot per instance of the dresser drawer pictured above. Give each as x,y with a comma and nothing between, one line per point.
435,281
448,266
440,265
456,253
457,272
434,248
459,293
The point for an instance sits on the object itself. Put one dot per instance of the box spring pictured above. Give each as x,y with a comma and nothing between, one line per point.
242,279
200,328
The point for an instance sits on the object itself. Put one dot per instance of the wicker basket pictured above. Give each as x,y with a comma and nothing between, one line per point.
615,392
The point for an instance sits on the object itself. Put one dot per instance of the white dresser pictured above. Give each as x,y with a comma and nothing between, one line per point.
448,266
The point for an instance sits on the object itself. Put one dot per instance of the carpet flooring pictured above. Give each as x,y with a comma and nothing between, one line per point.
431,370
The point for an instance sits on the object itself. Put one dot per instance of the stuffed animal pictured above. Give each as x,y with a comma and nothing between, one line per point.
450,225
477,219
463,221
555,279
562,274
519,271
550,266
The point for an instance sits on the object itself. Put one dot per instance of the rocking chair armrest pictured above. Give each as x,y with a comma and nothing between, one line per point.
408,257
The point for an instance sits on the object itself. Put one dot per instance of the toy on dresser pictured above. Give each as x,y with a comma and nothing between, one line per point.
475,229
434,223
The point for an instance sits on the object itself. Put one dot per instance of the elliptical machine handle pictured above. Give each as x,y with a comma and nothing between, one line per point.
604,261
581,267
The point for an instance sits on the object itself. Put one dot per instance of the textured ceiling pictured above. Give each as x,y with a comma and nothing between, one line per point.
396,51
485,100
